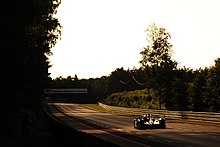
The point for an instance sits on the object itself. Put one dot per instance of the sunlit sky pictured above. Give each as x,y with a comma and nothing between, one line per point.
99,36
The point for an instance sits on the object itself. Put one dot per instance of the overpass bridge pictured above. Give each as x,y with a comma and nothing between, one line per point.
73,95
66,91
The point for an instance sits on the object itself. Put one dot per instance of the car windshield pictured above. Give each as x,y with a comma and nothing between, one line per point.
155,117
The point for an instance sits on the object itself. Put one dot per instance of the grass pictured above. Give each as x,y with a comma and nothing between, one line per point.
99,108
95,106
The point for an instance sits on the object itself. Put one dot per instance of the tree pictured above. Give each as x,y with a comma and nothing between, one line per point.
213,85
158,51
157,56
117,80
182,78
29,31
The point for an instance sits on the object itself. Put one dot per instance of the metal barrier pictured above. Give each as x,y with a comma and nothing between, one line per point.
189,115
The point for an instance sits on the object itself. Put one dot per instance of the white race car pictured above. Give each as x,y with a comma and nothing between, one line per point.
149,122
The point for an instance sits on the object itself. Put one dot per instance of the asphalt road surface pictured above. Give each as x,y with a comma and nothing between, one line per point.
119,129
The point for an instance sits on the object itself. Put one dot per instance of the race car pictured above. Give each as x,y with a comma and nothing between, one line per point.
149,121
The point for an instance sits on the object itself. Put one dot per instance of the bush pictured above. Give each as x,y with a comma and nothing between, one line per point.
147,99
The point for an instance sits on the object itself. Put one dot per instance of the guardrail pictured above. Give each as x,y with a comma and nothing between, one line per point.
189,115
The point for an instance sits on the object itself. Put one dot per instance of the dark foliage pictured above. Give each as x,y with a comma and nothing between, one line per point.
183,89
28,31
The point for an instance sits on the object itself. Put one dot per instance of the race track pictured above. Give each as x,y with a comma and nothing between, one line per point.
119,129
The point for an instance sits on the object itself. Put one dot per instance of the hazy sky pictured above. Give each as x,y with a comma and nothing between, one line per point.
99,36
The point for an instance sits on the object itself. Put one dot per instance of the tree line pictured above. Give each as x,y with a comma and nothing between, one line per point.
191,90
158,83
28,32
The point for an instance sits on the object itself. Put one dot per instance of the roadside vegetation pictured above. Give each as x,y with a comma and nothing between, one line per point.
135,99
